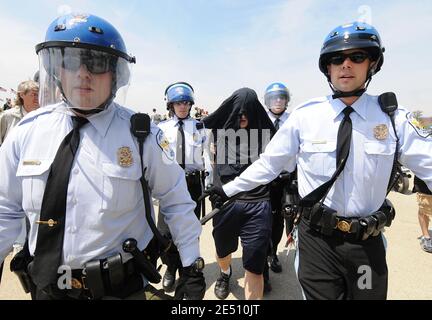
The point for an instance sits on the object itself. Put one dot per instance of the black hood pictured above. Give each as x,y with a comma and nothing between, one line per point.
233,157
243,101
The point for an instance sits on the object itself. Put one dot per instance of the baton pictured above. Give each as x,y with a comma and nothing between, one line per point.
215,211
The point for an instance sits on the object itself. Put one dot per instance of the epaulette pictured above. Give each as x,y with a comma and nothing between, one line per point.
125,113
311,102
34,115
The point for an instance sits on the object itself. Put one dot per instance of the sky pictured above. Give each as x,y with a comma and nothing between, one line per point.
219,46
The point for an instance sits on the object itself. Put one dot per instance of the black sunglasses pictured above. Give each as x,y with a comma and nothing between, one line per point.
356,57
96,62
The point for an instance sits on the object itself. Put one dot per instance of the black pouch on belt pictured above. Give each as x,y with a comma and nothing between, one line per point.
316,215
328,221
94,281
381,222
369,226
116,271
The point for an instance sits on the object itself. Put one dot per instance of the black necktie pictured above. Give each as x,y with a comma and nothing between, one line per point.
181,145
276,124
342,153
49,244
344,138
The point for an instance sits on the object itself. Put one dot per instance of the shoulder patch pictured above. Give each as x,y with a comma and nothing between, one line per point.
421,124
163,143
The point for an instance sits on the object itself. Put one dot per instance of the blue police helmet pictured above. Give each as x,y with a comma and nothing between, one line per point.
356,35
276,89
179,91
85,31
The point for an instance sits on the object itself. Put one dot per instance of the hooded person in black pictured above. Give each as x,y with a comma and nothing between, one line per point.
241,129
234,156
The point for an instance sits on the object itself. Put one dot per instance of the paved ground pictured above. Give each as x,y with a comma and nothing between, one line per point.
409,267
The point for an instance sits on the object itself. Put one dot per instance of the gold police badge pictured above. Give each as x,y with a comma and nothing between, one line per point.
124,157
381,132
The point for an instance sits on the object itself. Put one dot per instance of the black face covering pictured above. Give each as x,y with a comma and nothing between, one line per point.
238,154
243,101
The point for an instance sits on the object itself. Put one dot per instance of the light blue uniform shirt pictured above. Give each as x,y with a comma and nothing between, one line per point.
308,139
282,118
194,141
105,203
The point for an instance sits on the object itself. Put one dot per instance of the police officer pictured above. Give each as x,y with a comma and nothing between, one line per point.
186,137
74,169
276,99
345,148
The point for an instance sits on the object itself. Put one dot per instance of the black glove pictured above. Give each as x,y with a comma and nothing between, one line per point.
217,195
171,258
191,284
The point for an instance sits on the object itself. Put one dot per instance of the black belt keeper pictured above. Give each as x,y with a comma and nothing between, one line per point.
116,271
369,226
381,222
94,280
316,213
328,221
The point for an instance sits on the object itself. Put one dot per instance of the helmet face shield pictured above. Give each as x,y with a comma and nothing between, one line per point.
276,96
179,92
86,78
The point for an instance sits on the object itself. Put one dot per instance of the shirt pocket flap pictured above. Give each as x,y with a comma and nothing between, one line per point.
115,171
313,147
28,168
376,147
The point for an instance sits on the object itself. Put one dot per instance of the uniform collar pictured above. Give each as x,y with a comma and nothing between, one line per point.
359,106
282,118
176,119
102,120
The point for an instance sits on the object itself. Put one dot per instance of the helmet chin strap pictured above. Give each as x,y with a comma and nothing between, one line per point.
337,94
355,93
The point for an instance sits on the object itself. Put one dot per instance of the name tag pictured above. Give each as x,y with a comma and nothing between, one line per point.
319,142
32,163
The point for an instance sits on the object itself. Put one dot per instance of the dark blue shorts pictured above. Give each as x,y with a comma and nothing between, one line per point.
252,222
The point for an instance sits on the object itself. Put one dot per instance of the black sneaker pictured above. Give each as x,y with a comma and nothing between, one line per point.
275,265
168,281
222,289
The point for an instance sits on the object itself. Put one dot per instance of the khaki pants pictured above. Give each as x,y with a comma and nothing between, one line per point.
425,204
